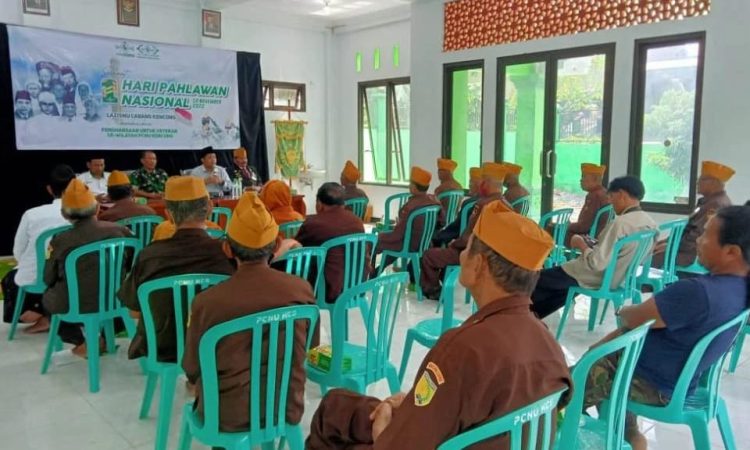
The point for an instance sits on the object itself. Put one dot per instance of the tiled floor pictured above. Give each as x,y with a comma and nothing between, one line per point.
56,411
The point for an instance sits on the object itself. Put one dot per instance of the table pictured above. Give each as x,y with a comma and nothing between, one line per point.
298,203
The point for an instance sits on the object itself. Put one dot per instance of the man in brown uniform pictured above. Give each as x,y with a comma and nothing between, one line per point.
394,240
453,230
120,192
252,238
513,188
475,373
596,198
435,260
331,221
79,207
349,179
190,250
446,167
711,183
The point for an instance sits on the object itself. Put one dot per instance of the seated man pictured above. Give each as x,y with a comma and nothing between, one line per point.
453,230
596,199
349,178
252,237
394,240
435,260
79,207
34,222
475,373
148,180
446,167
190,250
711,184
240,169
625,194
120,192
331,221
216,177
684,312
513,188
95,178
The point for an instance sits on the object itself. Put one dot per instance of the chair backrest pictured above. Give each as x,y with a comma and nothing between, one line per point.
560,220
289,230
429,216
111,255
300,260
275,328
215,234
358,206
628,347
447,295
358,252
142,227
40,247
220,212
711,377
400,200
184,289
674,230
466,213
522,205
642,242
453,200
514,423
384,295
595,229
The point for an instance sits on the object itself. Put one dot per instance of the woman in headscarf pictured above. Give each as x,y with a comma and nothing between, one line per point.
278,200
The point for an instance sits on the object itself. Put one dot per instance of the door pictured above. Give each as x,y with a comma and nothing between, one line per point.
554,113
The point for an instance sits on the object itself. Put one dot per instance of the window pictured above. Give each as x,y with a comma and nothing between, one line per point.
384,108
665,126
462,116
280,96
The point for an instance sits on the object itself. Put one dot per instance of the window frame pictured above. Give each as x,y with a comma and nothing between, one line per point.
637,111
447,134
389,84
269,86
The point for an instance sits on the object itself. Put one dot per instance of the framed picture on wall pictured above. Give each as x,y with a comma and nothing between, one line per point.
129,12
40,7
212,24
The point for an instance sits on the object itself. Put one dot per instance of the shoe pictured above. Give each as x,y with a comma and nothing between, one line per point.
431,295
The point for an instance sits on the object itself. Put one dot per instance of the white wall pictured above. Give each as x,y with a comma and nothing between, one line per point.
726,100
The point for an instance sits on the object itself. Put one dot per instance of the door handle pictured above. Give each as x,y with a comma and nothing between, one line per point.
553,165
547,163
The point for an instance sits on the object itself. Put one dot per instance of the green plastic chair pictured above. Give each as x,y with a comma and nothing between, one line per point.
606,432
290,229
696,268
299,261
429,216
274,327
358,206
698,408
184,288
658,279
454,202
41,244
370,363
514,423
738,348
560,218
142,227
400,200
522,205
111,254
595,229
625,289
219,213
427,332
465,214
215,234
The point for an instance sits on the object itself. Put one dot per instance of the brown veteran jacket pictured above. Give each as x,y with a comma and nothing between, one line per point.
707,206
450,185
479,372
463,240
595,200
352,191
124,209
394,240
255,287
84,232
188,251
513,193
323,227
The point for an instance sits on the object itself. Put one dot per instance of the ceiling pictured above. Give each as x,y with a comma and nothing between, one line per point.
331,9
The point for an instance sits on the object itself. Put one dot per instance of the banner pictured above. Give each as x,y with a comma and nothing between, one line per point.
81,92
290,135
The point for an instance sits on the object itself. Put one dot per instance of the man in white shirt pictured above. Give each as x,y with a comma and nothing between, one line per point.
625,194
216,177
34,222
96,178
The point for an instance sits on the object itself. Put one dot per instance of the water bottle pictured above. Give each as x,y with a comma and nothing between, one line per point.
237,188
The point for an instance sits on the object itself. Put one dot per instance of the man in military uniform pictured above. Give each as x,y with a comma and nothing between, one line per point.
475,373
453,230
190,250
446,167
711,184
148,180
120,192
252,238
349,178
241,170
513,188
596,198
